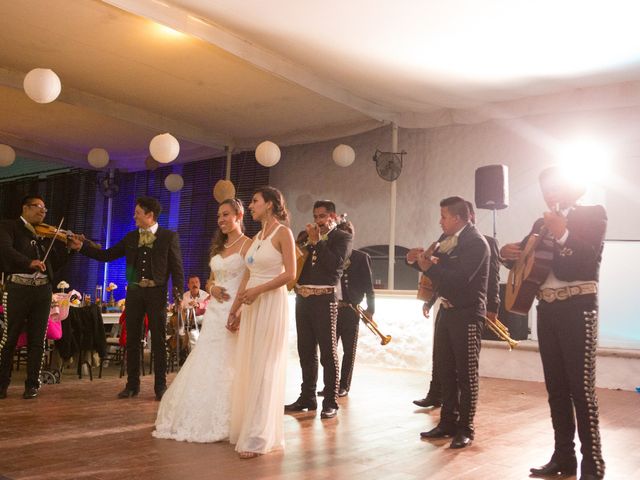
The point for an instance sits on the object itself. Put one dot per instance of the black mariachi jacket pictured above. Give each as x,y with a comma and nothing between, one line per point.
461,276
165,256
330,257
19,247
356,280
581,255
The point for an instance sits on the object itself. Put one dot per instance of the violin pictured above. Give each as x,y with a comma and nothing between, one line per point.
49,231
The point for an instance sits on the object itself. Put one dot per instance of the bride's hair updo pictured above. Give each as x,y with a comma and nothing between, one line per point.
273,195
220,238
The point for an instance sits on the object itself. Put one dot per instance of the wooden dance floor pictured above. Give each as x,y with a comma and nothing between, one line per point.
79,430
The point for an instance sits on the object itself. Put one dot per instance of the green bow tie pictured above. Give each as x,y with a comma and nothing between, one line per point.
146,239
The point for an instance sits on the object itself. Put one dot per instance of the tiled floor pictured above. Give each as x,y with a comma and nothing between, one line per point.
78,429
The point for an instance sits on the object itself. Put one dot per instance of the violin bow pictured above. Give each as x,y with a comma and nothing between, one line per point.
53,239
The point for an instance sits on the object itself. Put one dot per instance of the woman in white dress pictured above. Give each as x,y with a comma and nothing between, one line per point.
197,405
257,424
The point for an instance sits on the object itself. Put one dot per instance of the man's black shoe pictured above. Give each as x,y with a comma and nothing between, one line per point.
343,392
590,476
300,405
29,393
328,412
554,468
427,402
160,392
129,392
437,432
460,441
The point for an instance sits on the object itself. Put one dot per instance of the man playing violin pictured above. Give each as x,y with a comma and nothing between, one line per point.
317,308
29,274
568,322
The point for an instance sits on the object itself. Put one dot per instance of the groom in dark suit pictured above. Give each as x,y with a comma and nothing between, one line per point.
152,253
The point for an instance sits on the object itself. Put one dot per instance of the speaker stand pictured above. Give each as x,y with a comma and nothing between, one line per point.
494,223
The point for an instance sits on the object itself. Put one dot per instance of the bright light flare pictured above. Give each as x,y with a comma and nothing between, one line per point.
167,31
585,162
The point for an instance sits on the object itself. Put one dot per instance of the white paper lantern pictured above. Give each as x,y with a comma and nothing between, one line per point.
7,155
164,148
268,154
174,182
42,85
98,157
343,155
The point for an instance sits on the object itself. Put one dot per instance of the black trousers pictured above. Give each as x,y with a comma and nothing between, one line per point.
347,331
25,307
316,318
458,337
567,336
153,302
435,386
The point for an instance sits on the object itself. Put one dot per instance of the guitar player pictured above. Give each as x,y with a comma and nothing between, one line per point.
568,322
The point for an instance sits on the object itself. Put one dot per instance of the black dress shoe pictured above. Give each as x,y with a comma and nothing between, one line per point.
129,392
437,432
428,402
29,393
460,441
343,392
300,405
328,412
554,468
160,392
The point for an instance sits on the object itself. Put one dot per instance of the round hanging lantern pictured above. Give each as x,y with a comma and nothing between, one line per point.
343,155
174,182
42,85
268,154
98,157
151,164
164,148
223,189
7,155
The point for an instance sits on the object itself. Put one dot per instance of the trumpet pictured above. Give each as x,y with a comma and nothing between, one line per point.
501,331
371,324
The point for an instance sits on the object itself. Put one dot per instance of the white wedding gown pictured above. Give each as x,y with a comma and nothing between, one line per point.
197,405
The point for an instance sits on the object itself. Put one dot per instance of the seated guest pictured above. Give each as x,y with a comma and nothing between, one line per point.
195,297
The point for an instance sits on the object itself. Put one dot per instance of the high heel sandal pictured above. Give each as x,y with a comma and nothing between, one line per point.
247,455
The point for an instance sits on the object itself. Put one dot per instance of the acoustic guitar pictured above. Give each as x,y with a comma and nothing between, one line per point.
529,272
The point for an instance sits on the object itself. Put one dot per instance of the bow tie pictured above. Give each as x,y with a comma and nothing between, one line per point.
448,244
146,238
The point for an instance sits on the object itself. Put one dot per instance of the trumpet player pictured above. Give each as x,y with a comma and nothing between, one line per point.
317,308
568,322
460,274
356,283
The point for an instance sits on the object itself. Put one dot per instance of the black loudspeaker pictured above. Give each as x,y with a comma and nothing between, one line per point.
492,187
517,324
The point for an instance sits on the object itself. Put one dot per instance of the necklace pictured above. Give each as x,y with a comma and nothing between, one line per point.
259,241
234,242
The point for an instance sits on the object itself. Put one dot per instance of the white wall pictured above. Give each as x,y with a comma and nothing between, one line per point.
441,162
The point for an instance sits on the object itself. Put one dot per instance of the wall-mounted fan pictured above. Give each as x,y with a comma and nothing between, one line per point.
107,184
388,164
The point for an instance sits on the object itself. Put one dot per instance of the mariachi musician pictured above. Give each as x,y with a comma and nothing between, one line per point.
29,274
355,283
568,322
317,308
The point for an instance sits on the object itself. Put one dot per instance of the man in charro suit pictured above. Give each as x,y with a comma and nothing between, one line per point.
460,274
27,295
355,283
152,254
434,395
317,309
568,322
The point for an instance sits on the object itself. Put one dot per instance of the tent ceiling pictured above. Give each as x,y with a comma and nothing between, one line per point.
295,72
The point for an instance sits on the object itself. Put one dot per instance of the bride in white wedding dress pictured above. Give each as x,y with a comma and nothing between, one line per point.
197,405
